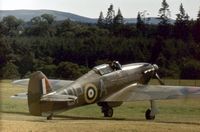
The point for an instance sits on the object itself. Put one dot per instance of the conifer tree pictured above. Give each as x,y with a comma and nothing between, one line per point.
181,24
101,20
196,28
119,19
110,16
164,24
164,13
198,15
140,23
182,16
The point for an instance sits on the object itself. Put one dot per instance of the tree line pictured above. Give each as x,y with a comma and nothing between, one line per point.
67,49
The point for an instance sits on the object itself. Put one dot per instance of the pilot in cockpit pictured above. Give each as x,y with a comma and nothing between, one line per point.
116,65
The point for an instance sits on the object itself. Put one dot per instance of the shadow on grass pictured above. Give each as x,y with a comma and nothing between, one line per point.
121,119
64,117
184,122
14,112
67,118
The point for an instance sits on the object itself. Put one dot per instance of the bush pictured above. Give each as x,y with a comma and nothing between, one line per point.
68,70
191,70
10,71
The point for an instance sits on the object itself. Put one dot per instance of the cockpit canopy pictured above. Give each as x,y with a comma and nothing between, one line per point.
103,69
106,68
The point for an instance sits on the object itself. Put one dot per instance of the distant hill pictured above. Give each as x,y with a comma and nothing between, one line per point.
27,15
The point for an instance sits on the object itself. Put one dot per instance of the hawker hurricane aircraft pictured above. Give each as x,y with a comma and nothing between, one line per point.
108,85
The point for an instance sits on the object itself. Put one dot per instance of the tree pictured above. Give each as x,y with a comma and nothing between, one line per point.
196,28
164,25
182,16
110,16
118,19
191,69
48,18
164,13
101,20
140,24
118,24
25,64
198,15
11,24
10,71
68,70
42,26
181,24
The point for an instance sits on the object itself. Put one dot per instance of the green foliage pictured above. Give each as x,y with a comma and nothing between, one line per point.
191,69
68,70
101,20
119,19
140,25
164,13
11,26
182,24
68,49
110,16
10,71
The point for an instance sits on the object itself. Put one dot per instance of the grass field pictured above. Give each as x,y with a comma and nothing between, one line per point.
174,115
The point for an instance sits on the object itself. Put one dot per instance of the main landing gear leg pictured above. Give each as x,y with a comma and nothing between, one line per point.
150,113
106,109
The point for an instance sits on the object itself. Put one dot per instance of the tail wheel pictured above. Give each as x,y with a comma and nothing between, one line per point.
148,115
108,111
50,117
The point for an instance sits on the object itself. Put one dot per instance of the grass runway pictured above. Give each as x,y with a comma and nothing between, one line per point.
174,115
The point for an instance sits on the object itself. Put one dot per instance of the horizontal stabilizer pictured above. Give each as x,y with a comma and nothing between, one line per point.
56,84
19,96
55,97
21,83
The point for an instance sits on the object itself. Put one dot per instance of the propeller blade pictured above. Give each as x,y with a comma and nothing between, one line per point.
160,81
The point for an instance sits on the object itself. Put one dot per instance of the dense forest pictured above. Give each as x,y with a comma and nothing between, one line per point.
67,49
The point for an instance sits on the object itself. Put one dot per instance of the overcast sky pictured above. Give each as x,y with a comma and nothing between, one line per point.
92,8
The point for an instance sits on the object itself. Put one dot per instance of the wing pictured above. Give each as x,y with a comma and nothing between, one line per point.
137,92
56,84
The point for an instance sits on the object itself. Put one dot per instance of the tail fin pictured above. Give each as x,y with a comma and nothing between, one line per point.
38,86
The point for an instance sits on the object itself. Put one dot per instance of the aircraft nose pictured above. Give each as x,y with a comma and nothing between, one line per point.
155,67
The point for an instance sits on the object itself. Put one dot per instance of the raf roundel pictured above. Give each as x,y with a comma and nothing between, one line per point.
90,93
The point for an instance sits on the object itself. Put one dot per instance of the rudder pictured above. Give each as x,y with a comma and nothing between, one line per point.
38,86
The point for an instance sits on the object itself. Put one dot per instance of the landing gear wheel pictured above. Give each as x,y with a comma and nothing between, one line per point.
50,117
148,115
108,112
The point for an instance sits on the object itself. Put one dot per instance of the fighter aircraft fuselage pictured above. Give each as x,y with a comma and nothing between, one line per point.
102,81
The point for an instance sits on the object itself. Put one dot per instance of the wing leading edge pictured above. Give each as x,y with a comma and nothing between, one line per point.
138,92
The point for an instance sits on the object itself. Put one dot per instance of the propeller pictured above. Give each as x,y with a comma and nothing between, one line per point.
156,74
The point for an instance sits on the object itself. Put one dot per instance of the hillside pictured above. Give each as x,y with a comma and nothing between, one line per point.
27,15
